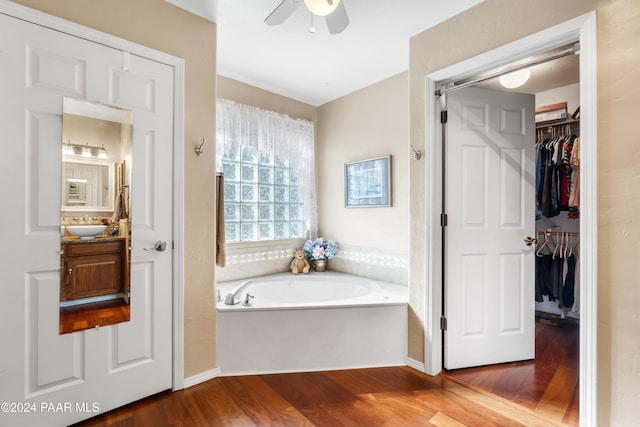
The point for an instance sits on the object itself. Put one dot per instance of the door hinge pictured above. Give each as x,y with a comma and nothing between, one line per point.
443,323
443,116
443,220
173,245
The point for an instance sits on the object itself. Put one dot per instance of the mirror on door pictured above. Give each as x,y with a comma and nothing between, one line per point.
95,226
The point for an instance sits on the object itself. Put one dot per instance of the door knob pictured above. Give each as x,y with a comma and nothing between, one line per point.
159,246
530,241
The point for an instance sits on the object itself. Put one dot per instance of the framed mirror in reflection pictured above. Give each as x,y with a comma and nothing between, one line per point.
87,185
96,154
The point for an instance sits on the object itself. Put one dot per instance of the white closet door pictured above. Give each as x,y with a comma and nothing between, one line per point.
62,379
490,193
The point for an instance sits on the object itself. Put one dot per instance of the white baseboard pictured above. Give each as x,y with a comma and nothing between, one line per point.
415,364
202,377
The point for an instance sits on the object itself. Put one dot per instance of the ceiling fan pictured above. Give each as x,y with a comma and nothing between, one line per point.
333,11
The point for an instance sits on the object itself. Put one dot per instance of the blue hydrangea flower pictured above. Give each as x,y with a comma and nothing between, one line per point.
320,248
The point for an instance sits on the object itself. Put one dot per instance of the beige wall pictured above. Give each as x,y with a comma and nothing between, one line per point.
490,25
161,26
242,93
370,122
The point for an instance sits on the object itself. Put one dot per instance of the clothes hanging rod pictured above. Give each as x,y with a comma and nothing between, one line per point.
557,233
569,122
574,50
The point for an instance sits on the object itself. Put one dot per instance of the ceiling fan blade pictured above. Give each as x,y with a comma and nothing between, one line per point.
338,20
282,12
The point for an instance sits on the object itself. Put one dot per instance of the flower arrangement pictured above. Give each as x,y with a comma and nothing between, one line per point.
320,249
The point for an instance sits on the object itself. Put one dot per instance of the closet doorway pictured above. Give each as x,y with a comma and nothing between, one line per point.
582,30
503,181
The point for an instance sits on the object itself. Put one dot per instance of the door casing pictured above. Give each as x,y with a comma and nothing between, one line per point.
583,30
127,47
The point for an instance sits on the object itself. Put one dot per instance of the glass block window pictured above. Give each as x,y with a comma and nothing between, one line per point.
267,162
259,202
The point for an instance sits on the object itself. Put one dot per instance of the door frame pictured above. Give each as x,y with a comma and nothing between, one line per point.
127,47
583,30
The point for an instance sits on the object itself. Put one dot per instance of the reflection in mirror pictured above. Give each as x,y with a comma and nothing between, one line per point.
87,185
97,150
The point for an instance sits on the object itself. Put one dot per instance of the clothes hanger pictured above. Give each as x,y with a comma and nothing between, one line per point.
555,249
542,246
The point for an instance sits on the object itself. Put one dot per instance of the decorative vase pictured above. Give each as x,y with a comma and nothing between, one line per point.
320,264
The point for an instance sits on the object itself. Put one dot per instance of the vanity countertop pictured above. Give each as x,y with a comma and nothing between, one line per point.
97,239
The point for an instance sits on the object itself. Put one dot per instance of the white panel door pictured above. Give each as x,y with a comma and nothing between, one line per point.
61,379
490,196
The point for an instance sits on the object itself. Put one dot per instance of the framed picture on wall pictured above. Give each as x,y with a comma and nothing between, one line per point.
367,183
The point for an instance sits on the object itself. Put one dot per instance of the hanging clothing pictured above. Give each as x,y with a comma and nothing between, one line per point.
544,277
557,279
557,176
574,191
568,293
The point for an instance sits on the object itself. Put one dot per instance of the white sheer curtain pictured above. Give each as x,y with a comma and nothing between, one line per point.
274,138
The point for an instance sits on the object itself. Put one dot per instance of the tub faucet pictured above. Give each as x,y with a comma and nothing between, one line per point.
233,298
247,300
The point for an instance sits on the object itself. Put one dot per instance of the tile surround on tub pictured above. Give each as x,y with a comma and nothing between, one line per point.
380,264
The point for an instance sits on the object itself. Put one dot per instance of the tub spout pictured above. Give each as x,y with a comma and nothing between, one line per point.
233,298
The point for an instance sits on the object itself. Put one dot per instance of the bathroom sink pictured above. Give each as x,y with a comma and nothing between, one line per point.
86,232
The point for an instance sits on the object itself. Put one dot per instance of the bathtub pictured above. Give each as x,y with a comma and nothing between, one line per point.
311,322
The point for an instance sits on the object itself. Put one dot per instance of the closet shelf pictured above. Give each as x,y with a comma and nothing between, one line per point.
551,123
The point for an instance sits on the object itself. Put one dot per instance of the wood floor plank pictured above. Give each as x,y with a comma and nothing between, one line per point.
572,416
557,397
394,400
512,379
261,404
323,401
515,414
526,383
443,420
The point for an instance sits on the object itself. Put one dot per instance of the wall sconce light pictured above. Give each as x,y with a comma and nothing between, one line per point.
88,151
67,150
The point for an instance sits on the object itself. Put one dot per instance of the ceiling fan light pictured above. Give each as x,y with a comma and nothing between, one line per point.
515,79
321,7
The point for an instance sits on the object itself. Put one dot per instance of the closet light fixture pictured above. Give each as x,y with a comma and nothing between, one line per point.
515,79
321,7
69,149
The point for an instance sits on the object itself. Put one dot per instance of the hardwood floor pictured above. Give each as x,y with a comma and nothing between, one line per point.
87,316
547,385
543,392
394,396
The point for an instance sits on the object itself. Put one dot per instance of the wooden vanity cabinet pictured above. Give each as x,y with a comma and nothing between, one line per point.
92,268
